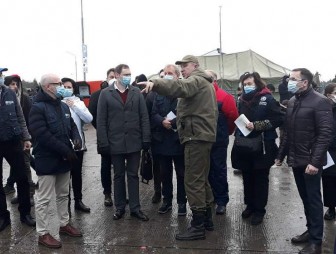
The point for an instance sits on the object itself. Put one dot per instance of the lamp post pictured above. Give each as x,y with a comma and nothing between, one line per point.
74,55
84,47
221,63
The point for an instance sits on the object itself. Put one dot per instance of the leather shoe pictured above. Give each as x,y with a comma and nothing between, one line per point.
70,230
108,200
118,214
247,212
156,198
79,205
311,248
49,241
4,222
303,238
220,209
140,215
28,220
330,214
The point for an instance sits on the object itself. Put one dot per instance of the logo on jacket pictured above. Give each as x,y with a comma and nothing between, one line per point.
263,101
9,102
67,115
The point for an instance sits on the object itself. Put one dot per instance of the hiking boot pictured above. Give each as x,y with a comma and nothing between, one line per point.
196,231
165,208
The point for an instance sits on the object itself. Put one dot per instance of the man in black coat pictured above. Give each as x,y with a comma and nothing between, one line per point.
105,165
14,139
309,126
14,82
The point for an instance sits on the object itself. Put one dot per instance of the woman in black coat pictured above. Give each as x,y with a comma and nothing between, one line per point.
329,174
264,115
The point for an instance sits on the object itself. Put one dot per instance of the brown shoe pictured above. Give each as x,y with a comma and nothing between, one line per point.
49,241
70,230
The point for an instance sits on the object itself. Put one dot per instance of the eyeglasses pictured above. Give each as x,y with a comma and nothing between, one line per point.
56,83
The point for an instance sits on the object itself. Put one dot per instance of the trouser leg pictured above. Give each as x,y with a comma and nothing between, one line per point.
156,174
166,168
44,193
261,183
329,190
62,195
119,169
105,172
133,161
309,189
3,203
179,169
248,182
76,176
197,166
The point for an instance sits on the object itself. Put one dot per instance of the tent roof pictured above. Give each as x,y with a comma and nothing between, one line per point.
236,64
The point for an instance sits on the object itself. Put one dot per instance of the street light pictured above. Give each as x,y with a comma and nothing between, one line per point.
74,55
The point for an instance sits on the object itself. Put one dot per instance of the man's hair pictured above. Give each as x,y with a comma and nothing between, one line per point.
329,88
109,71
305,74
120,67
212,74
176,69
260,84
271,87
45,79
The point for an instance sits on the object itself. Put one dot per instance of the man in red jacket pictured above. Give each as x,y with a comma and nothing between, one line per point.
227,114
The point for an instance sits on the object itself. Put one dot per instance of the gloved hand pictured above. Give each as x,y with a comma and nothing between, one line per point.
77,144
71,157
146,146
105,150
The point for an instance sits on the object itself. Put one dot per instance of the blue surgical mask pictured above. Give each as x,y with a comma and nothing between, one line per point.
292,86
126,81
60,91
170,77
67,93
2,81
248,89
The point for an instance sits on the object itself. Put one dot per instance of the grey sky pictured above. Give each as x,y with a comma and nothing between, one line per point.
146,35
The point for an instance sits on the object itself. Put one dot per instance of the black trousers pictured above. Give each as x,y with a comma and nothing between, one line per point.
12,151
156,175
309,187
122,164
166,168
76,176
105,173
329,190
256,189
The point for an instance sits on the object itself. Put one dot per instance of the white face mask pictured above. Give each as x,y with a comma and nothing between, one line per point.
333,98
111,81
292,86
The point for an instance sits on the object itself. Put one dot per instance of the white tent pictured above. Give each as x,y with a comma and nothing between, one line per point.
231,66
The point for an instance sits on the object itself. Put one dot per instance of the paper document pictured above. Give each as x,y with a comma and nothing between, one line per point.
171,116
330,161
241,122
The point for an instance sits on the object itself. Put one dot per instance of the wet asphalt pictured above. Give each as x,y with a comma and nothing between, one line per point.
101,234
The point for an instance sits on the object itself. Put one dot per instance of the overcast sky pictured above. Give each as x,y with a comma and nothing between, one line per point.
37,35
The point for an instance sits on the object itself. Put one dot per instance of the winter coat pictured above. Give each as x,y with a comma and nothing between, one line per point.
122,127
52,129
12,122
164,141
309,126
264,111
80,114
227,114
332,147
197,111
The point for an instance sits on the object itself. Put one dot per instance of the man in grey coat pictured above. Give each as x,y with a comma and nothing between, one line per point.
122,131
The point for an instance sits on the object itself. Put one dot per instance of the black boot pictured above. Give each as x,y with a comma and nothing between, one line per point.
208,223
79,205
196,231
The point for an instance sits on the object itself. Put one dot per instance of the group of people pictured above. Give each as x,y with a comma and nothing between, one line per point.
186,124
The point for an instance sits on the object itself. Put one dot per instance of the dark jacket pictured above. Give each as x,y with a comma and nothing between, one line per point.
309,126
122,127
283,90
197,110
264,111
332,147
52,128
93,105
12,122
164,141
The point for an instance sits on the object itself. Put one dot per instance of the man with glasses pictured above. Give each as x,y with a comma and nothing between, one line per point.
14,139
122,131
309,127
55,136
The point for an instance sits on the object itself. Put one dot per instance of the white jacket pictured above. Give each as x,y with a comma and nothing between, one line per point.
80,114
